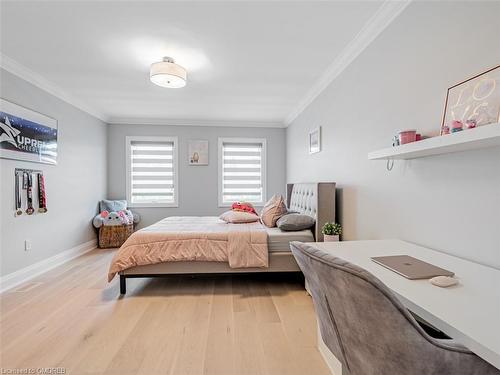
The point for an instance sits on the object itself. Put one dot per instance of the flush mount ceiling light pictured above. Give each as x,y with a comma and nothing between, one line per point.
167,73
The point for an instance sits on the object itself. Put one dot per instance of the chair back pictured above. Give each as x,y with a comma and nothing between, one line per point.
368,329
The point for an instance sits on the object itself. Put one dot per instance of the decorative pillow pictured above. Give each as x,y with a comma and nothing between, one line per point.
294,222
239,217
273,210
116,205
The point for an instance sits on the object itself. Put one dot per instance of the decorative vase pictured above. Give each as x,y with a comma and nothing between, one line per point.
331,237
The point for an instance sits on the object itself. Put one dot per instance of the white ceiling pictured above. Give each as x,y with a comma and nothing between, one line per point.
246,61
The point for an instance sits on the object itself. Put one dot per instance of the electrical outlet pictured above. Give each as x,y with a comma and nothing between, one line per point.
27,245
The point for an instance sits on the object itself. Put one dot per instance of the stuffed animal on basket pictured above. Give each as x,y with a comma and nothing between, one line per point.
108,209
113,218
127,216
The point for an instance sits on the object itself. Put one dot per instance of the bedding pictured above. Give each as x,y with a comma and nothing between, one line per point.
194,239
278,240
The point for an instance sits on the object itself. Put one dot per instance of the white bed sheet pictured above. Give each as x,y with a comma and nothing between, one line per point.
278,240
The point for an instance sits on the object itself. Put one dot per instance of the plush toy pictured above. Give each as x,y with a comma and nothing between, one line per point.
110,209
112,218
243,206
127,216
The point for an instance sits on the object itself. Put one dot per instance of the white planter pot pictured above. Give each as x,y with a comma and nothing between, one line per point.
331,238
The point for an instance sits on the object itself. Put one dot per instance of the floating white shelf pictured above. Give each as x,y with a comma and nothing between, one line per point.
469,139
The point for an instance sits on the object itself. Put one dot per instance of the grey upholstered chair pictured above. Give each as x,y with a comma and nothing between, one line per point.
369,330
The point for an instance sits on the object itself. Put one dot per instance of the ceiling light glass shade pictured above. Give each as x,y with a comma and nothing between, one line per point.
167,73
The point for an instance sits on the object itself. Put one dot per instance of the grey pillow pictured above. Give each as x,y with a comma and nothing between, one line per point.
294,222
117,205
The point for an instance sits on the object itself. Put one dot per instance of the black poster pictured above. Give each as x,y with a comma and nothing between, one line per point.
27,135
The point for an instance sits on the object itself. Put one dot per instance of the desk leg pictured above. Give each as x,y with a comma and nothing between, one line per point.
307,288
332,362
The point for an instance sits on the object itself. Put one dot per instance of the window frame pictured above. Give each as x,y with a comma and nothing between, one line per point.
128,169
263,161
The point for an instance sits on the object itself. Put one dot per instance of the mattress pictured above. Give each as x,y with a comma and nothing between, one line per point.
193,238
279,240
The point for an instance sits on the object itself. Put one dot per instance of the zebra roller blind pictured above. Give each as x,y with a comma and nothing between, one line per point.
243,171
152,172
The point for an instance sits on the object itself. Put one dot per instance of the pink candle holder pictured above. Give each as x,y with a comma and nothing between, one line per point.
470,124
407,136
456,126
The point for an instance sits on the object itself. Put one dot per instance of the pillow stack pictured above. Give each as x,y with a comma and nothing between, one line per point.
273,214
241,212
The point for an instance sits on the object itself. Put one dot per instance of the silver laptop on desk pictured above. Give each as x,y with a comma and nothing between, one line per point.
410,267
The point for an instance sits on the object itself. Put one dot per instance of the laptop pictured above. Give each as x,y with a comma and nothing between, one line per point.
410,267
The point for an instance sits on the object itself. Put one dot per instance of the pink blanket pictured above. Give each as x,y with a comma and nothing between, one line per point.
194,238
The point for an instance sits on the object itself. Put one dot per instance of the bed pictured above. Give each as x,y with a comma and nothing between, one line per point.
314,199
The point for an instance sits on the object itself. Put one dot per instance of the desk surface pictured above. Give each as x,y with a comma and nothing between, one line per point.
468,312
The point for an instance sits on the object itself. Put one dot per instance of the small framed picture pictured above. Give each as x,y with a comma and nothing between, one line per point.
198,152
315,140
475,100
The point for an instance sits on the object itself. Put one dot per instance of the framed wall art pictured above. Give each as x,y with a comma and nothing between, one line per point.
475,99
315,140
198,152
27,135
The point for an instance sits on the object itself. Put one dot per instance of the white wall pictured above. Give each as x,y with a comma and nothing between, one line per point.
73,186
449,202
197,184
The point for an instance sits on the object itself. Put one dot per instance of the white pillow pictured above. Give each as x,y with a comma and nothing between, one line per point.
238,217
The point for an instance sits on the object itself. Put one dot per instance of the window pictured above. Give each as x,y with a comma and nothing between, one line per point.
242,170
152,171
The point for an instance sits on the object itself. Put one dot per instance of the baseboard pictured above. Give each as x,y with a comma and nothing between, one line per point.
15,278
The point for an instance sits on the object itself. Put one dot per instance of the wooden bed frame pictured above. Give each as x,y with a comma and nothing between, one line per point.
314,199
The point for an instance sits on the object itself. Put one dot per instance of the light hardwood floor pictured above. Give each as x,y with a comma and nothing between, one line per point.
72,318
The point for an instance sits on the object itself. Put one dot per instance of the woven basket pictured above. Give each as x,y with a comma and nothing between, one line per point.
114,236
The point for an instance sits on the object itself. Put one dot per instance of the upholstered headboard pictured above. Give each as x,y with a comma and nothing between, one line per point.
315,199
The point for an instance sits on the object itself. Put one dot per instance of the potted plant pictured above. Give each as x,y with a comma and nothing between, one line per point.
331,232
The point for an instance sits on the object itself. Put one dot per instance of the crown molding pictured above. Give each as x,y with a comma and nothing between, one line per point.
39,81
382,18
187,122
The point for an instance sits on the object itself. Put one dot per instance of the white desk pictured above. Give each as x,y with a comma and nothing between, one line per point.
468,312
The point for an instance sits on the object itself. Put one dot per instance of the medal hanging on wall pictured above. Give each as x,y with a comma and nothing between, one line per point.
19,211
29,194
42,199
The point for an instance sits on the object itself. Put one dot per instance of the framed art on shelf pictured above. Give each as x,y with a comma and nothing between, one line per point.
315,140
473,102
198,152
27,135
